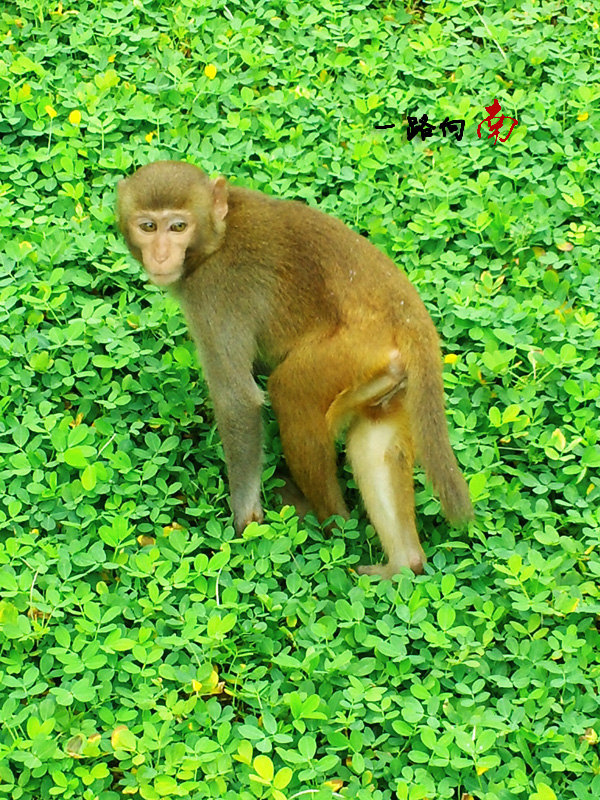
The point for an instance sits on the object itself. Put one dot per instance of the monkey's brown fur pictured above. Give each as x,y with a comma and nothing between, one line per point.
349,344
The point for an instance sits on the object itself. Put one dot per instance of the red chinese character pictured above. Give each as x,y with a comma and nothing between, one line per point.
495,128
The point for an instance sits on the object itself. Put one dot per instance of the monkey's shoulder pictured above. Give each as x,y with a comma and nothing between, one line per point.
292,225
289,238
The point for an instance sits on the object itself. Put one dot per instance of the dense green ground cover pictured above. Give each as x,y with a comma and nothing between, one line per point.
146,650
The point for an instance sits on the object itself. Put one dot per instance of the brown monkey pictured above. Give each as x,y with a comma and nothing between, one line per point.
345,336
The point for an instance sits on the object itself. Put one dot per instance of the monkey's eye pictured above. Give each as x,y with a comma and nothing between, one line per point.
148,227
179,227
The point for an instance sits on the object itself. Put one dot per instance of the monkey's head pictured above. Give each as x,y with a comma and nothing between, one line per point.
172,217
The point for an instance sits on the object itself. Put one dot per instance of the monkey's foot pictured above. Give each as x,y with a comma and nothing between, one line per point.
389,570
256,515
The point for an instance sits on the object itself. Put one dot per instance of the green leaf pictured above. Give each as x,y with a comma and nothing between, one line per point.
123,739
218,627
88,477
247,95
411,709
283,778
495,416
551,280
183,356
264,767
591,457
165,785
544,792
477,486
8,614
446,616
62,696
448,583
79,456
575,198
107,80
244,752
40,362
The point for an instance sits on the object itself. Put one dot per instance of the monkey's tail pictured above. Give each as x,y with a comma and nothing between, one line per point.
424,394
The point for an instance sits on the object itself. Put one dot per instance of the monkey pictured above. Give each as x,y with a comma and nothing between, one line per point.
347,343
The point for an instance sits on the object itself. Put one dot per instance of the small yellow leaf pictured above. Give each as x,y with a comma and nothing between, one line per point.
564,246
145,541
590,736
538,251
210,71
111,59
582,116
481,770
323,75
451,358
213,681
503,80
210,686
50,111
558,440
174,526
335,784
75,117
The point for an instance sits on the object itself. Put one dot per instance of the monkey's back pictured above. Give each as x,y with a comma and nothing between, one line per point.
316,270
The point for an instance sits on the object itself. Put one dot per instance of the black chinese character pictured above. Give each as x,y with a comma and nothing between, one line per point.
453,125
415,125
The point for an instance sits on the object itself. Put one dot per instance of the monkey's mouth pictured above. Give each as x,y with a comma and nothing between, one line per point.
164,278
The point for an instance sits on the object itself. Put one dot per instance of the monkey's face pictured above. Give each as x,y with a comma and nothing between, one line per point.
163,238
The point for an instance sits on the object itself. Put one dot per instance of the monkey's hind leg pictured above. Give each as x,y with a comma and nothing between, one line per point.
381,453
308,444
290,495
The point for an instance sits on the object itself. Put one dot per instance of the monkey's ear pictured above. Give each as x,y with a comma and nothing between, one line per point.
121,204
219,190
